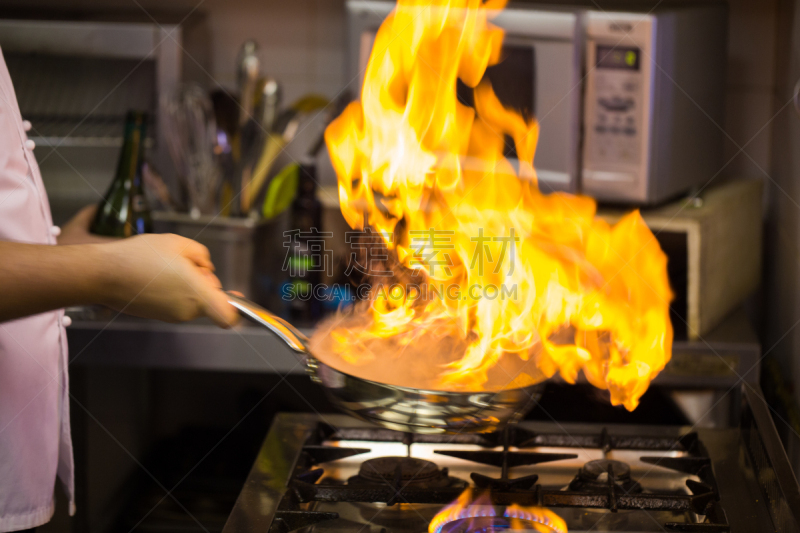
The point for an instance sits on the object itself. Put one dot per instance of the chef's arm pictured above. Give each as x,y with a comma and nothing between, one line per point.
76,230
156,276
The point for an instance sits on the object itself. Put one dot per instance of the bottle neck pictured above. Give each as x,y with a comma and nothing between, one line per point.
132,148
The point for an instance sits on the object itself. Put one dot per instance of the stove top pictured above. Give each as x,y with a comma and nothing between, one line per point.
331,474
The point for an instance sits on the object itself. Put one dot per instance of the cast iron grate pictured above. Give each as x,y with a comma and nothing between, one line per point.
305,486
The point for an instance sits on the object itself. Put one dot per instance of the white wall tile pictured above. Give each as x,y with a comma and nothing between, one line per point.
301,43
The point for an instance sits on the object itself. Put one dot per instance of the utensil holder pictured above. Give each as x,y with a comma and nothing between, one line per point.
248,254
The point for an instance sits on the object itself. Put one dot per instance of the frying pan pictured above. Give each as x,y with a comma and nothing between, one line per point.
395,407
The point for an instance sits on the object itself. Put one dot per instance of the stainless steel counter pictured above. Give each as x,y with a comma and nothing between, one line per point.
717,362
197,345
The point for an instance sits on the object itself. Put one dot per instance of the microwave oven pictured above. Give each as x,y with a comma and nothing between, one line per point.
629,104
653,103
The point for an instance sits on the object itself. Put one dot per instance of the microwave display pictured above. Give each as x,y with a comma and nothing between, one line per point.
617,57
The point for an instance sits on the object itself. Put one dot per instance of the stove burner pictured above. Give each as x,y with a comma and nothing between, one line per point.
596,476
403,472
495,524
617,469
403,468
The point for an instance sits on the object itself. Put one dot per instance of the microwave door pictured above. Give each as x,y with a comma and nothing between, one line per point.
552,84
513,80
520,82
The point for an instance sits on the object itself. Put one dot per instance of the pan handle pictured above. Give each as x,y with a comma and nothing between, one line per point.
288,333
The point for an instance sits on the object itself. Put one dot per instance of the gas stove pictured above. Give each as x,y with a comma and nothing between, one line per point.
331,474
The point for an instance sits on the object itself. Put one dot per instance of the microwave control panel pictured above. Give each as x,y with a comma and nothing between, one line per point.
617,106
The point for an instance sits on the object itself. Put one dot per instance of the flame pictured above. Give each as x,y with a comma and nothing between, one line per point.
539,515
462,507
465,507
428,174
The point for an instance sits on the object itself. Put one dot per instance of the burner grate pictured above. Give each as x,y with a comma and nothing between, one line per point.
611,489
520,438
740,479
537,495
617,477
506,458
398,473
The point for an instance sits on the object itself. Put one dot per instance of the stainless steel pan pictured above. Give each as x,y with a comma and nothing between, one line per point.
400,408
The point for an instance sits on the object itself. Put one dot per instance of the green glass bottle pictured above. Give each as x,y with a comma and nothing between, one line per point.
124,210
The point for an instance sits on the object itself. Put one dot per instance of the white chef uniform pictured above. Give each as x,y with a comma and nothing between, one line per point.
35,443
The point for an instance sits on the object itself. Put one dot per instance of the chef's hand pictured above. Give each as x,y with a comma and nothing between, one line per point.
76,231
166,277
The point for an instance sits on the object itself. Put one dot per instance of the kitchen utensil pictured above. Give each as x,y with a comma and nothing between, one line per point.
250,139
226,113
247,77
310,102
274,144
272,149
269,99
281,191
247,137
394,407
286,127
158,194
258,134
192,137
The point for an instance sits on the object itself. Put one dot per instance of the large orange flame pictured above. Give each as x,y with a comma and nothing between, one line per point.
553,283
469,508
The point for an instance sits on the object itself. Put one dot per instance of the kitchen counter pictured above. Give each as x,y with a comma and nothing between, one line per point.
198,345
729,352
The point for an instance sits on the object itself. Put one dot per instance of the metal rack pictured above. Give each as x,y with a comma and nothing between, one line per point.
75,80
